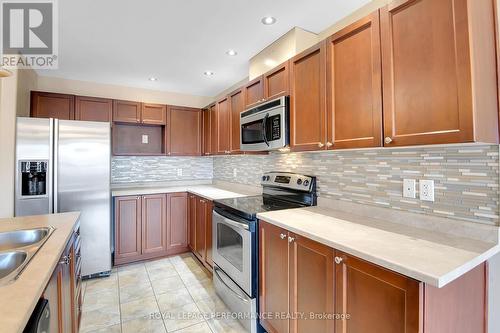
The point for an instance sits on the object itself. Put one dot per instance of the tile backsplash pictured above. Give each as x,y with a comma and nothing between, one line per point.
132,169
466,177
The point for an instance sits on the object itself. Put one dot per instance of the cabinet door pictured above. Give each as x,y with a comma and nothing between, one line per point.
192,221
49,105
184,131
276,82
237,106
426,71
254,92
354,86
208,233
223,125
214,130
127,229
154,114
177,225
53,293
201,220
206,132
376,299
127,112
93,109
154,223
273,276
311,264
307,99
67,283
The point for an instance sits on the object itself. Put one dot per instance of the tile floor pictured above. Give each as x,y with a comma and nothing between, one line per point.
136,297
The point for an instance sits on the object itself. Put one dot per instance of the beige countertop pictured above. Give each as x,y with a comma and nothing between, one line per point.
18,299
425,255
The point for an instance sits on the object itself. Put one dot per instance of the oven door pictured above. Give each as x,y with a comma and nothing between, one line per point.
267,130
232,250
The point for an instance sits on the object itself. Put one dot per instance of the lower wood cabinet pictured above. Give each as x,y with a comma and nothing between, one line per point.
200,231
150,226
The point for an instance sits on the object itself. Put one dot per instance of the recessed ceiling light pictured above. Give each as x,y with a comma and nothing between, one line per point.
208,73
231,52
153,79
268,20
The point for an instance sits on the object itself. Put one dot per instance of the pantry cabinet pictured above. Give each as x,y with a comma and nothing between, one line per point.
93,109
51,105
354,86
184,131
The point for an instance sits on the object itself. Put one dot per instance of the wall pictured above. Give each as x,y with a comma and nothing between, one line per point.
93,89
160,169
466,177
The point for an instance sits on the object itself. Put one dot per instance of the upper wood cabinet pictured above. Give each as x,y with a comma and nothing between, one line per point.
276,82
93,109
177,228
354,86
206,132
184,131
128,241
377,300
154,223
223,126
308,99
127,112
439,72
254,92
50,105
237,106
153,114
214,129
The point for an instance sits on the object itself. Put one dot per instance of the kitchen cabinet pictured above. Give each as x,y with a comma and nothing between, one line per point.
214,129
376,299
276,82
439,81
184,130
208,233
354,86
200,229
128,225
93,109
154,224
206,132
308,99
223,126
51,105
127,112
253,92
192,199
153,114
53,293
177,240
236,102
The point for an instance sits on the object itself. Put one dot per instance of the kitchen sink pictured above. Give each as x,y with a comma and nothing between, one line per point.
10,262
11,240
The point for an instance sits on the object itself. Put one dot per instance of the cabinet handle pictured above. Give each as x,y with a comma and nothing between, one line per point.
338,260
65,260
321,145
168,154
291,239
388,140
329,144
282,236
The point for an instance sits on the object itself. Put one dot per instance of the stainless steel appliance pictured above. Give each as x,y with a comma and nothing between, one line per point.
235,239
265,127
63,166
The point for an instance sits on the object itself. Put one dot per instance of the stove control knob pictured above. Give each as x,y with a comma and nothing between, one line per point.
268,178
306,182
263,178
299,181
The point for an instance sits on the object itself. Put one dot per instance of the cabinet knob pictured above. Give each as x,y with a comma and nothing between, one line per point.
282,236
291,239
320,145
168,154
329,144
65,260
388,140
338,260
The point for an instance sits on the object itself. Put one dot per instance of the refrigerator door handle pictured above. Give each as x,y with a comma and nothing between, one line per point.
55,162
50,188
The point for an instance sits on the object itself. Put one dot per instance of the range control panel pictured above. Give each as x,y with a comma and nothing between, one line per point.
289,180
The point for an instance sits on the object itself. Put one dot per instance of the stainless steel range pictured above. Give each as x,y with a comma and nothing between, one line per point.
235,239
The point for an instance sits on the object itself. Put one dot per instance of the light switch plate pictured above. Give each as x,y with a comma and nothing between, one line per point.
179,172
427,190
409,188
145,138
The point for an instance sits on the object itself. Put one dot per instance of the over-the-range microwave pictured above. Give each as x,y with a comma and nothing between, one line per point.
266,127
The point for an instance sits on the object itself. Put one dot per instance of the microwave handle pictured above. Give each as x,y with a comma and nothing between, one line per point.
264,129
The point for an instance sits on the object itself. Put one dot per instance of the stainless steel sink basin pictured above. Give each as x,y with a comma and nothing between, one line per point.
11,261
11,240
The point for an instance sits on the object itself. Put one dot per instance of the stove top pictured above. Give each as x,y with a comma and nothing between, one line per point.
249,207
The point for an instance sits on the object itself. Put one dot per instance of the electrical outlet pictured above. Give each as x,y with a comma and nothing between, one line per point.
235,173
145,138
409,188
179,172
427,190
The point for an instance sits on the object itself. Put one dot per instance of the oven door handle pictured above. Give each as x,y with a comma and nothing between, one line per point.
232,223
264,129
221,279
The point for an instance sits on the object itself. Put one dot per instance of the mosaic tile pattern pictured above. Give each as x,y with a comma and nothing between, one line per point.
133,169
466,177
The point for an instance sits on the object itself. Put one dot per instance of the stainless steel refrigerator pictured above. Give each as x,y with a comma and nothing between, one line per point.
64,166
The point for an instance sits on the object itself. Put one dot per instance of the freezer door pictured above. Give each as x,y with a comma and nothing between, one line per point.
33,146
82,179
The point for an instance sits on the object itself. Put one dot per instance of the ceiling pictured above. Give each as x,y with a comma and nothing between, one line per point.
125,42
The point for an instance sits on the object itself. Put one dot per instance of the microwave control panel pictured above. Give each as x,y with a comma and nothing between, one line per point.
275,127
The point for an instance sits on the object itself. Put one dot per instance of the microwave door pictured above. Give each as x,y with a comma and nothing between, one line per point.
264,129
